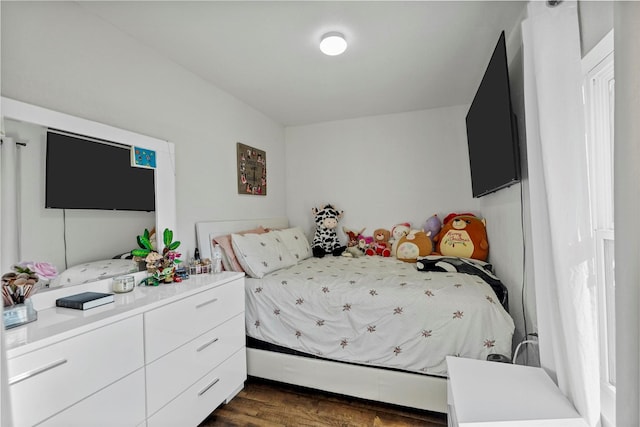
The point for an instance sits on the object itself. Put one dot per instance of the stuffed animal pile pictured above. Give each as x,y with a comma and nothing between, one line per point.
460,235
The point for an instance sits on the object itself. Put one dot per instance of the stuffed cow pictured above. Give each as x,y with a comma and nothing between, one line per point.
325,240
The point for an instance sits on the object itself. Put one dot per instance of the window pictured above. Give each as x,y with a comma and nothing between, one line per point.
598,88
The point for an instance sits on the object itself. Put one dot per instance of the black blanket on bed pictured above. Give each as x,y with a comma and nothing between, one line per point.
467,266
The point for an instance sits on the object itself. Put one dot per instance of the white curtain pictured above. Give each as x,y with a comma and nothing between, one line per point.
563,250
9,193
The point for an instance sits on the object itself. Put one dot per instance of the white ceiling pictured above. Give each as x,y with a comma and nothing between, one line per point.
402,56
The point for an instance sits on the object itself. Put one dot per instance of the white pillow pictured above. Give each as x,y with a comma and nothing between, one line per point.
295,241
96,270
260,254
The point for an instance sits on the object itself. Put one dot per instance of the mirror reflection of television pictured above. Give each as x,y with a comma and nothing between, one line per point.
491,129
84,173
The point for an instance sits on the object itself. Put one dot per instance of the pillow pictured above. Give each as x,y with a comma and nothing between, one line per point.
229,260
295,241
96,270
260,254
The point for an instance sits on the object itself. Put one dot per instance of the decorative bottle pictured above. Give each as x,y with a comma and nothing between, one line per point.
217,259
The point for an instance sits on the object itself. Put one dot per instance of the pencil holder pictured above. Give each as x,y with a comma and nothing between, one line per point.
19,314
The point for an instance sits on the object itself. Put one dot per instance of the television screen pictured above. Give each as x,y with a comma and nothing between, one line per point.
88,174
491,132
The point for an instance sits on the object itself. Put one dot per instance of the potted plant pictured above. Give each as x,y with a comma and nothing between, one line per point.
160,266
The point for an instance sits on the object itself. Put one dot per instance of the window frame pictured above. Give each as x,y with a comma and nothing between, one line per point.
598,91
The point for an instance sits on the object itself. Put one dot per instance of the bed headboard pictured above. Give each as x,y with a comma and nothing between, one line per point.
206,230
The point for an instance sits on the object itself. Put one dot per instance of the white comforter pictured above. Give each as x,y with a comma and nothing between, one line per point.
378,311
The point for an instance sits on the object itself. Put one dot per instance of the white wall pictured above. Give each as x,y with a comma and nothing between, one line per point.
58,56
510,226
596,20
380,170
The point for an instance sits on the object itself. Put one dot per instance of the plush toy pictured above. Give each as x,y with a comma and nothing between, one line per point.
325,241
381,245
364,243
353,248
397,232
415,244
463,235
433,225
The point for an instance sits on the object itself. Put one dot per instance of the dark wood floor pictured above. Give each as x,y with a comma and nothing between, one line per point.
265,403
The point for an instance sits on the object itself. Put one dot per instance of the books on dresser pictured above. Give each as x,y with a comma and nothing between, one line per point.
84,300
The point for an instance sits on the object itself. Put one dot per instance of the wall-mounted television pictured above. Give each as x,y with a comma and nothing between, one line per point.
491,129
84,173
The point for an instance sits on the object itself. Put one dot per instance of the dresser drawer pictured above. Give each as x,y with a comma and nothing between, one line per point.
168,327
176,371
121,404
199,400
55,377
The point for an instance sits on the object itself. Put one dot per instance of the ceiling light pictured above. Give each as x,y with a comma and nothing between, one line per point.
333,44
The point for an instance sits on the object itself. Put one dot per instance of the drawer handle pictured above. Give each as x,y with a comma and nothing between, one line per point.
37,371
206,389
206,303
205,345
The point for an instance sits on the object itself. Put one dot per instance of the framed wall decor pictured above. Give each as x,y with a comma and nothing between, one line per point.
252,170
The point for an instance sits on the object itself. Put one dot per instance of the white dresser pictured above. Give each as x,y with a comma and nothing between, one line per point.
158,356
482,394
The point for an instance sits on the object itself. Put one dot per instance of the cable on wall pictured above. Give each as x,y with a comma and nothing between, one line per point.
524,261
64,237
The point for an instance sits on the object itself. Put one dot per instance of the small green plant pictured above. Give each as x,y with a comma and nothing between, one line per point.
169,244
161,267
144,241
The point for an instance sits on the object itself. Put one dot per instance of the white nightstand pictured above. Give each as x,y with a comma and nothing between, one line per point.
481,393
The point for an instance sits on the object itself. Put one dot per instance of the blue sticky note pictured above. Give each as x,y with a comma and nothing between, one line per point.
143,158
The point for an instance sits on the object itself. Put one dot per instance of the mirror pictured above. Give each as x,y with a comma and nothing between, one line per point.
72,237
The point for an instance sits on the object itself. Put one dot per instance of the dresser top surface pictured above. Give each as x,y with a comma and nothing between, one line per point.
57,323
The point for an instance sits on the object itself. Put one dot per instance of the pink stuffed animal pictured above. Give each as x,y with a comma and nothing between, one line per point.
365,243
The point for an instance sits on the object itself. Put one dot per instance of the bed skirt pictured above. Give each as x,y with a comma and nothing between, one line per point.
413,390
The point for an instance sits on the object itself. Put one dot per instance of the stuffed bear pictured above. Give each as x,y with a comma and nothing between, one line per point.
464,236
325,241
415,244
353,248
397,232
381,245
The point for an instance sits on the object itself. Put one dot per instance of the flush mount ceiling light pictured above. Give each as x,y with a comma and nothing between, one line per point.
333,44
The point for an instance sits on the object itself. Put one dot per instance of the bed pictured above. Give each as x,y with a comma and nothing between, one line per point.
369,327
